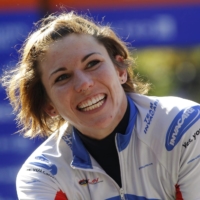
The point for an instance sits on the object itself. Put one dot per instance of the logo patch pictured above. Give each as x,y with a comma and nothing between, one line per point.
46,164
150,114
193,138
51,167
181,123
87,181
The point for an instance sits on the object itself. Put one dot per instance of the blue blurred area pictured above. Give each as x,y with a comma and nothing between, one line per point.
164,26
14,149
159,26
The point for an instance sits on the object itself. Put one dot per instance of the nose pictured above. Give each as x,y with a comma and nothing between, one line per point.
82,81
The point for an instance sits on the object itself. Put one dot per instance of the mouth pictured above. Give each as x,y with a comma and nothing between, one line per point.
92,103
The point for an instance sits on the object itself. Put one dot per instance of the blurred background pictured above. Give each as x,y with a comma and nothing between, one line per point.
165,40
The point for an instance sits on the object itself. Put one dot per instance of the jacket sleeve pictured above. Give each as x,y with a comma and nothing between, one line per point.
182,142
189,164
38,185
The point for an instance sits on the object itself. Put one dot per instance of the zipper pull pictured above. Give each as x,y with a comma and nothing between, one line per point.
122,194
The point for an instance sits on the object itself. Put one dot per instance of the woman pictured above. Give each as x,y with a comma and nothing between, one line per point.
106,139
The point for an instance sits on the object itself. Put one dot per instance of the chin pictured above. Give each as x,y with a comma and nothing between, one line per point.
103,124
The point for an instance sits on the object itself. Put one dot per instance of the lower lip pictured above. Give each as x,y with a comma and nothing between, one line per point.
96,109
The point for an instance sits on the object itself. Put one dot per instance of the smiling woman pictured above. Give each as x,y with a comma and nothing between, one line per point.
75,85
36,51
76,82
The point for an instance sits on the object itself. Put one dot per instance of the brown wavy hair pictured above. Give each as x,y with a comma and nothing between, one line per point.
23,83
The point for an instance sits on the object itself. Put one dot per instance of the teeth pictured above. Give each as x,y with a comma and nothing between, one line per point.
93,106
93,103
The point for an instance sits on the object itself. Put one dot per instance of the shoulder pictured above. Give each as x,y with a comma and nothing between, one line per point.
56,146
167,107
48,159
166,103
169,127
164,121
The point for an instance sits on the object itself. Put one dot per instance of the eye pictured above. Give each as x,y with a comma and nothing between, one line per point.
62,77
93,63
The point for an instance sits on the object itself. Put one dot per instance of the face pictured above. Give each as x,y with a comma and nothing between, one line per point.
83,85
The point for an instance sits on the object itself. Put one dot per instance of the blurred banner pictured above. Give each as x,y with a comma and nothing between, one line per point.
174,26
144,23
14,149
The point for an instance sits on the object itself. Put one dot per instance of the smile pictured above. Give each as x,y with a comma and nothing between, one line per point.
92,103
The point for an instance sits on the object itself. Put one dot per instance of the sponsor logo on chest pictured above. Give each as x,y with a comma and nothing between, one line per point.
181,123
193,138
150,115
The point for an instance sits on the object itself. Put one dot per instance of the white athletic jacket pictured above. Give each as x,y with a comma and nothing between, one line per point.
159,158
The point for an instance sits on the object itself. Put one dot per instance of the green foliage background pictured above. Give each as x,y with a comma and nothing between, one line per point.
172,71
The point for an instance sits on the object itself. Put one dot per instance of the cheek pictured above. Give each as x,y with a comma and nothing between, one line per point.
60,97
108,75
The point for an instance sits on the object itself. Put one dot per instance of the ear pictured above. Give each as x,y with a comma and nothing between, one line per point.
121,72
50,109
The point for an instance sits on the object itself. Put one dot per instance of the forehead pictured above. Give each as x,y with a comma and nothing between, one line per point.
75,42
70,50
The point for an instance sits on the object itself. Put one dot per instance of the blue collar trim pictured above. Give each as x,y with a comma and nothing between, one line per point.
124,139
81,157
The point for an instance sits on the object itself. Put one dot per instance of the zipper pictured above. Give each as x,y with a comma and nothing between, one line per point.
121,191
122,194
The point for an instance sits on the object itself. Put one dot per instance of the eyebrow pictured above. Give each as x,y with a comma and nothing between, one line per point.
59,69
87,56
82,60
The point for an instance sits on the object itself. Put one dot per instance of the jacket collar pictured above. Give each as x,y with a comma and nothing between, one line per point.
81,157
